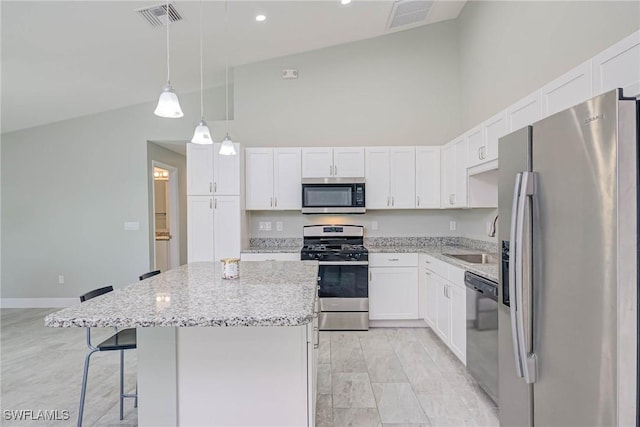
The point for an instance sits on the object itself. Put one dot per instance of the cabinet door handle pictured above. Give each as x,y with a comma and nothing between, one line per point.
215,187
418,201
394,259
335,170
210,204
215,203
211,187
451,198
393,202
444,291
330,170
270,202
388,200
427,273
370,278
276,202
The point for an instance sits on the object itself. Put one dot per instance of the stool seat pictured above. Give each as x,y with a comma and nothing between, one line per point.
122,340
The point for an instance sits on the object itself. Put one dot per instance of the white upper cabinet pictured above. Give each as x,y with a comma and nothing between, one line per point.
454,185
570,89
402,177
494,129
317,162
273,179
390,177
618,66
259,178
427,177
348,162
226,172
524,112
377,178
476,146
287,185
327,162
199,169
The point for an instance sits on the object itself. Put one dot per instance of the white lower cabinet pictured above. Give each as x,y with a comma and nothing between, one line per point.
446,303
199,228
393,287
213,228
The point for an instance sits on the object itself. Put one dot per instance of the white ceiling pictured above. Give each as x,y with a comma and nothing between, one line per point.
63,59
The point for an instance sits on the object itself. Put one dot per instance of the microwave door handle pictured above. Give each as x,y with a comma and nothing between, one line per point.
512,274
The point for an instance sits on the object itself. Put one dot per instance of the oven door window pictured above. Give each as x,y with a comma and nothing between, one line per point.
344,281
320,196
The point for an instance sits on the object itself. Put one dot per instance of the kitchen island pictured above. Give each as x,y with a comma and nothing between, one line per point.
215,352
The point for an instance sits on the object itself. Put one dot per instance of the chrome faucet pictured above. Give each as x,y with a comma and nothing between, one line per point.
492,231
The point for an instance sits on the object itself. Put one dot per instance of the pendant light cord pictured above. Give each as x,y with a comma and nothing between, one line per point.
226,74
201,69
168,67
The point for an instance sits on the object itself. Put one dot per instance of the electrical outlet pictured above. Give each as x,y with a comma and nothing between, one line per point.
374,225
267,226
452,225
261,225
279,226
61,280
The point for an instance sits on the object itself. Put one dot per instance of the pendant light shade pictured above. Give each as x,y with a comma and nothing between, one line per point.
168,104
227,148
202,135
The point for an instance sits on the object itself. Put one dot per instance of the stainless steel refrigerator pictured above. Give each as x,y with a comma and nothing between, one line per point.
568,316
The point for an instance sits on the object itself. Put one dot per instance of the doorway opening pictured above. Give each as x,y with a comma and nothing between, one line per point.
165,216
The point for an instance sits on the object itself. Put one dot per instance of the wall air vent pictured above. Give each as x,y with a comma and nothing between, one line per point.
157,15
408,12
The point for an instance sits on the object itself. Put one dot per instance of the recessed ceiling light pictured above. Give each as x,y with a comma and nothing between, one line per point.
260,18
345,1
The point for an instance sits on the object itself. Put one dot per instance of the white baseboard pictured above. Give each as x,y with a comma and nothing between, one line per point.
37,302
398,324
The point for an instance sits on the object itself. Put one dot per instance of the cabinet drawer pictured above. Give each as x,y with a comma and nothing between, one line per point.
393,260
278,256
436,266
456,276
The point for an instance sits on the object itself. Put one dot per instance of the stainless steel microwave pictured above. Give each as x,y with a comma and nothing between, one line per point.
333,195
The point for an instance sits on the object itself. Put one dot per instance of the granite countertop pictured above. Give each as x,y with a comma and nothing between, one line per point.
489,271
273,250
268,293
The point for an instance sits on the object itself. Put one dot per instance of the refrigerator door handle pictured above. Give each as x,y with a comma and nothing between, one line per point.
512,274
523,305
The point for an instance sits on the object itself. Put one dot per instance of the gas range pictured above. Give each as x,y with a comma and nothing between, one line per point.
343,274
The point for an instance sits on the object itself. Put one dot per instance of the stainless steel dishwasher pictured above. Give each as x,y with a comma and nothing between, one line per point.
482,332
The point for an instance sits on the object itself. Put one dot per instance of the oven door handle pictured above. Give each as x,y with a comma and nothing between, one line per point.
343,262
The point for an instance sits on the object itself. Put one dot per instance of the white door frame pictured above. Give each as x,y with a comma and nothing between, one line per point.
174,214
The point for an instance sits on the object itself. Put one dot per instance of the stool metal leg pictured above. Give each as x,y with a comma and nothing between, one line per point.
83,391
121,384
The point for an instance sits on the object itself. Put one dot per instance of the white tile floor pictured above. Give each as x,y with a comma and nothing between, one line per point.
382,377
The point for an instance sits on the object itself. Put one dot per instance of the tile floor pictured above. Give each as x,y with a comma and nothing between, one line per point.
396,377
382,377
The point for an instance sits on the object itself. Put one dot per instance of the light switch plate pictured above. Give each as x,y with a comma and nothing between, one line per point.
374,225
279,226
452,225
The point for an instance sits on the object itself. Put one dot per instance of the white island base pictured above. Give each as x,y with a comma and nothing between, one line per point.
226,376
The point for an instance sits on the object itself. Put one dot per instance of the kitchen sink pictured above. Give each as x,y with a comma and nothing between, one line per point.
476,258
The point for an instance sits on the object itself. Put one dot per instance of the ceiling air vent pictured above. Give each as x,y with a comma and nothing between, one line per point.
157,15
408,12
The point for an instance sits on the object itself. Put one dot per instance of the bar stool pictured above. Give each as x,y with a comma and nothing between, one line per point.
149,274
120,341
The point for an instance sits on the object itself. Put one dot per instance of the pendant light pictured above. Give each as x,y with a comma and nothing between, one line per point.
227,148
202,135
168,104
